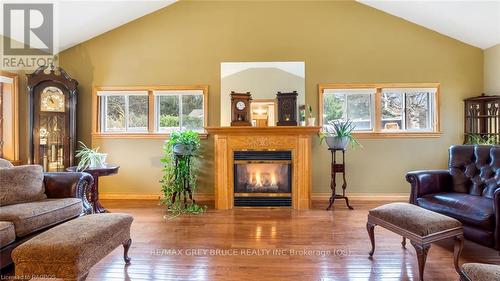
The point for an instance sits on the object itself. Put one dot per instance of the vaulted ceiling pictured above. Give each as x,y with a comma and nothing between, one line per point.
474,22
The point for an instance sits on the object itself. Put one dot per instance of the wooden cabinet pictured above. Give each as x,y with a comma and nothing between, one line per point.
52,109
482,118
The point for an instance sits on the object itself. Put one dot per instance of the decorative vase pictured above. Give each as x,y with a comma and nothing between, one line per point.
302,123
337,142
311,121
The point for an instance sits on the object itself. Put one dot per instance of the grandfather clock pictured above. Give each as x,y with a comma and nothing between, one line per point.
240,109
287,109
52,118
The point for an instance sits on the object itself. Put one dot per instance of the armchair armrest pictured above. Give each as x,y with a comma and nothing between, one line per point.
427,182
69,184
496,209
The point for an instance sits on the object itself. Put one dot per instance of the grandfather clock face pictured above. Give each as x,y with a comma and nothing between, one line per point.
52,99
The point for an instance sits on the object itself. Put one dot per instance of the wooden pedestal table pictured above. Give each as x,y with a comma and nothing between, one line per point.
108,169
338,168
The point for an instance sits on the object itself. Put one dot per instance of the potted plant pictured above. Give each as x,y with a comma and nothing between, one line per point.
90,158
311,121
481,139
180,168
184,143
302,115
338,135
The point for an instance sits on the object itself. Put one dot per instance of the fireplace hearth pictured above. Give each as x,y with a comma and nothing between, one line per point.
263,178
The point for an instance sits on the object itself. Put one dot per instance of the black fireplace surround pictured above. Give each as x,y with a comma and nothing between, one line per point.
262,178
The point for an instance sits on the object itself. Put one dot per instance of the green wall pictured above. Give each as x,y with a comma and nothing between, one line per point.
340,42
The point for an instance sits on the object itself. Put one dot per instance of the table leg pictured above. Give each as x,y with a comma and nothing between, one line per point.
333,188
457,251
370,228
98,208
421,250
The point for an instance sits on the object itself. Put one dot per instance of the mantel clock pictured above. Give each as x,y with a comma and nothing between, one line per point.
240,109
52,109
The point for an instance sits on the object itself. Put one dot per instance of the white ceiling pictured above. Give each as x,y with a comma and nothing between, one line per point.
473,22
78,21
82,20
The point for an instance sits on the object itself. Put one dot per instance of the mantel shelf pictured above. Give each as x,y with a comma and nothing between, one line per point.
275,130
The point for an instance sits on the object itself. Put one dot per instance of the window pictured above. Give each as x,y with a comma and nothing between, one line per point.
385,110
407,109
148,111
124,111
352,104
179,110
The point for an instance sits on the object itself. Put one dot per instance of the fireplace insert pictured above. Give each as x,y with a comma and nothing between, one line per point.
263,178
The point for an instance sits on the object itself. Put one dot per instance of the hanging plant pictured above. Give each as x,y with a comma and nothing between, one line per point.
180,168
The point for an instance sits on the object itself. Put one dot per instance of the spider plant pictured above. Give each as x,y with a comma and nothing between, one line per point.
89,157
338,134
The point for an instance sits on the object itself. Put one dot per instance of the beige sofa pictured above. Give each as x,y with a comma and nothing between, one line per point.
32,201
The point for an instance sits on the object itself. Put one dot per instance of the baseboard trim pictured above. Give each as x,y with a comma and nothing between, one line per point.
319,196
365,196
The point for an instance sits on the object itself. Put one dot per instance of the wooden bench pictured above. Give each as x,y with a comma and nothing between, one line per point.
69,250
422,227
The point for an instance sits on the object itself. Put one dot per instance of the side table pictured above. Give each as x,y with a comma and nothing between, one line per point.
108,169
337,168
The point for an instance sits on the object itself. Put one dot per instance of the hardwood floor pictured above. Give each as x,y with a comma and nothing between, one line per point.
270,244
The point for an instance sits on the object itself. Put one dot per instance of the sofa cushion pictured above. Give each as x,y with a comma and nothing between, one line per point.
33,216
469,209
21,184
414,219
481,272
5,164
7,233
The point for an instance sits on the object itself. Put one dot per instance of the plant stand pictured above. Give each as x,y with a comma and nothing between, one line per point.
337,168
186,192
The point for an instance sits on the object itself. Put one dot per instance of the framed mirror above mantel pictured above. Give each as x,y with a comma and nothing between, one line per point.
263,80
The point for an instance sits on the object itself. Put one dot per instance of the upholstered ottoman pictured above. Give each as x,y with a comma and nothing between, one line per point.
480,272
421,226
69,250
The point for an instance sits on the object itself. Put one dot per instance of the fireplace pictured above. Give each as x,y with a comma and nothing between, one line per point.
263,178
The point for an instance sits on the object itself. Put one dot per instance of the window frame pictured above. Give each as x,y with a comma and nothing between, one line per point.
97,122
174,93
351,92
378,131
104,110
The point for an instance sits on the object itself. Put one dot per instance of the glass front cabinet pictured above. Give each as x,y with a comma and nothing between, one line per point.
52,102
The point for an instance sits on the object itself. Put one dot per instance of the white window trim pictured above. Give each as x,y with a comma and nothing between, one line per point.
179,94
348,92
431,93
103,95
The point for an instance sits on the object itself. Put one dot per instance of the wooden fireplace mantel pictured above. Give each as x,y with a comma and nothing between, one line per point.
294,139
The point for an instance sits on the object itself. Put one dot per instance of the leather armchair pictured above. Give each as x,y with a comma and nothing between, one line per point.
468,191
69,184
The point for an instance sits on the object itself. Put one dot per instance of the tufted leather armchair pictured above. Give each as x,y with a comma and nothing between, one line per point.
468,191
